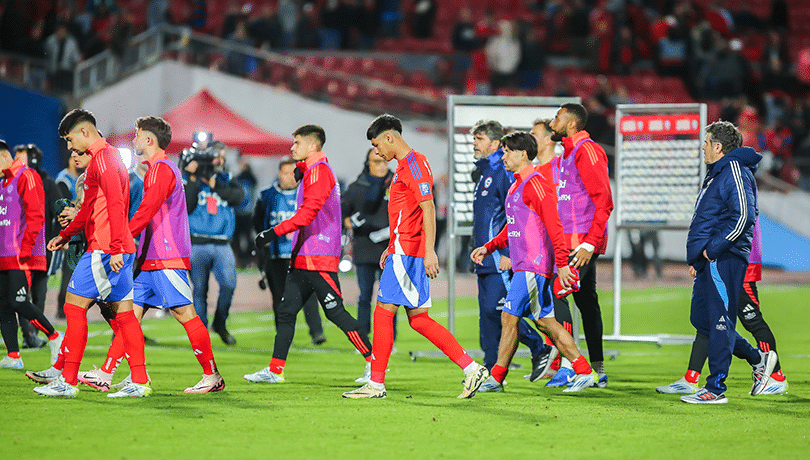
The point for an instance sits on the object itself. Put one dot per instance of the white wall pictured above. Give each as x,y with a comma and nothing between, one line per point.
158,89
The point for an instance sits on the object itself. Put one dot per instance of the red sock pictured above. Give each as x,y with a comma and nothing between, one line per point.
132,334
692,376
116,352
14,355
382,343
277,365
581,365
499,372
778,376
75,341
201,344
441,337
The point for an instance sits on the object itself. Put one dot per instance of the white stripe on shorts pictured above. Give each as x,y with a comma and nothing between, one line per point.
178,283
405,283
103,284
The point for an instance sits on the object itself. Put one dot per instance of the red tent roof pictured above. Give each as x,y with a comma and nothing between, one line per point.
204,112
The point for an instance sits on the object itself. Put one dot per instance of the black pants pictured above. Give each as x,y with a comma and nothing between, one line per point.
588,303
751,318
275,270
14,286
39,290
301,285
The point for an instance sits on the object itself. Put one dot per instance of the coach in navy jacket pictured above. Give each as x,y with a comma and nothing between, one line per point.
718,246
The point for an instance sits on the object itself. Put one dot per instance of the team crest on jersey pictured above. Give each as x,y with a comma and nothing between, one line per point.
396,176
424,187
488,182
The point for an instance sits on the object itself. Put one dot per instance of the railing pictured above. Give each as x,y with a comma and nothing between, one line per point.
179,43
24,71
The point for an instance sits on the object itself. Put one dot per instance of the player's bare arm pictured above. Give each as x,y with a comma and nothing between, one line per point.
429,227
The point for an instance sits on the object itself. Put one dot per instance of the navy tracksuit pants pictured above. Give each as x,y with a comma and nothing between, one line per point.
492,288
715,294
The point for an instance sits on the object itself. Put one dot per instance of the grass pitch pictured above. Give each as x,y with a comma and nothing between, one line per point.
421,418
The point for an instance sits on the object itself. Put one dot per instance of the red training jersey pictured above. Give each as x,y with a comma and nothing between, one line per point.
411,185
103,215
32,195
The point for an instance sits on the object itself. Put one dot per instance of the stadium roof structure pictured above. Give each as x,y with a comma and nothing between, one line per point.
204,112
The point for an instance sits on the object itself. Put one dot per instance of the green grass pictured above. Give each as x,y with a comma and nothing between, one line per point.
421,418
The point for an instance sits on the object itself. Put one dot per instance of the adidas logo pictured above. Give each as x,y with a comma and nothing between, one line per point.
328,297
22,295
71,285
197,352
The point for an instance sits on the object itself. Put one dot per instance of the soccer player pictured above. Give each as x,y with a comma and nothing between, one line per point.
22,249
534,233
548,165
489,218
163,258
718,247
104,272
409,261
584,203
315,253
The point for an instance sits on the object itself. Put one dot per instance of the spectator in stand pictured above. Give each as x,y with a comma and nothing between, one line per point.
237,63
265,30
62,51
368,24
288,16
33,44
726,74
780,18
306,30
603,31
673,49
424,15
331,25
503,55
121,32
157,12
198,15
464,36
578,28
532,61
232,15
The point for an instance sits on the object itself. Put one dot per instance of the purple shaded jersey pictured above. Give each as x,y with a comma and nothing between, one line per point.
12,221
529,243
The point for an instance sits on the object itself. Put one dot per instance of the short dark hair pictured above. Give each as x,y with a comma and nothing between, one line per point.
286,160
34,154
725,133
4,146
544,122
157,126
521,140
73,118
312,130
490,128
579,112
383,123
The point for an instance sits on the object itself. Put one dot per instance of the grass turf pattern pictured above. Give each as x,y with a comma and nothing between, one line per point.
421,418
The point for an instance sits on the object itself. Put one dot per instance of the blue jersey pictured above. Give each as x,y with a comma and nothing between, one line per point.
489,213
279,205
135,193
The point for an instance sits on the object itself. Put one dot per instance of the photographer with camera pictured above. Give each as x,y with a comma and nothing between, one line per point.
211,197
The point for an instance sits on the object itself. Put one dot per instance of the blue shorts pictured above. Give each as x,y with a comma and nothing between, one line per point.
94,279
167,288
404,282
530,296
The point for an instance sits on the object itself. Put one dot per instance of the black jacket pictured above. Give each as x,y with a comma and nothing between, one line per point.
367,199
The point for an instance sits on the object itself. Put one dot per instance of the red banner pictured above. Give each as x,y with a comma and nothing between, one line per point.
660,124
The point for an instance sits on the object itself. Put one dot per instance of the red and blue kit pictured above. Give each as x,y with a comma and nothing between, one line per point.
536,242
22,219
165,243
404,281
103,217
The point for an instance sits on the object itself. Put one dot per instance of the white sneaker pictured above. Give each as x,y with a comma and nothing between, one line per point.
366,375
775,387
369,390
473,381
682,386
265,376
45,376
491,385
127,380
96,378
55,345
208,384
761,372
133,390
57,387
11,363
581,381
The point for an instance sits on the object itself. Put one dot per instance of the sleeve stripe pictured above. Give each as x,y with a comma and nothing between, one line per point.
591,153
737,231
417,174
538,189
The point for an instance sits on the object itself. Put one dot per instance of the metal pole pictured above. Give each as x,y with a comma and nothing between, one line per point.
617,284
